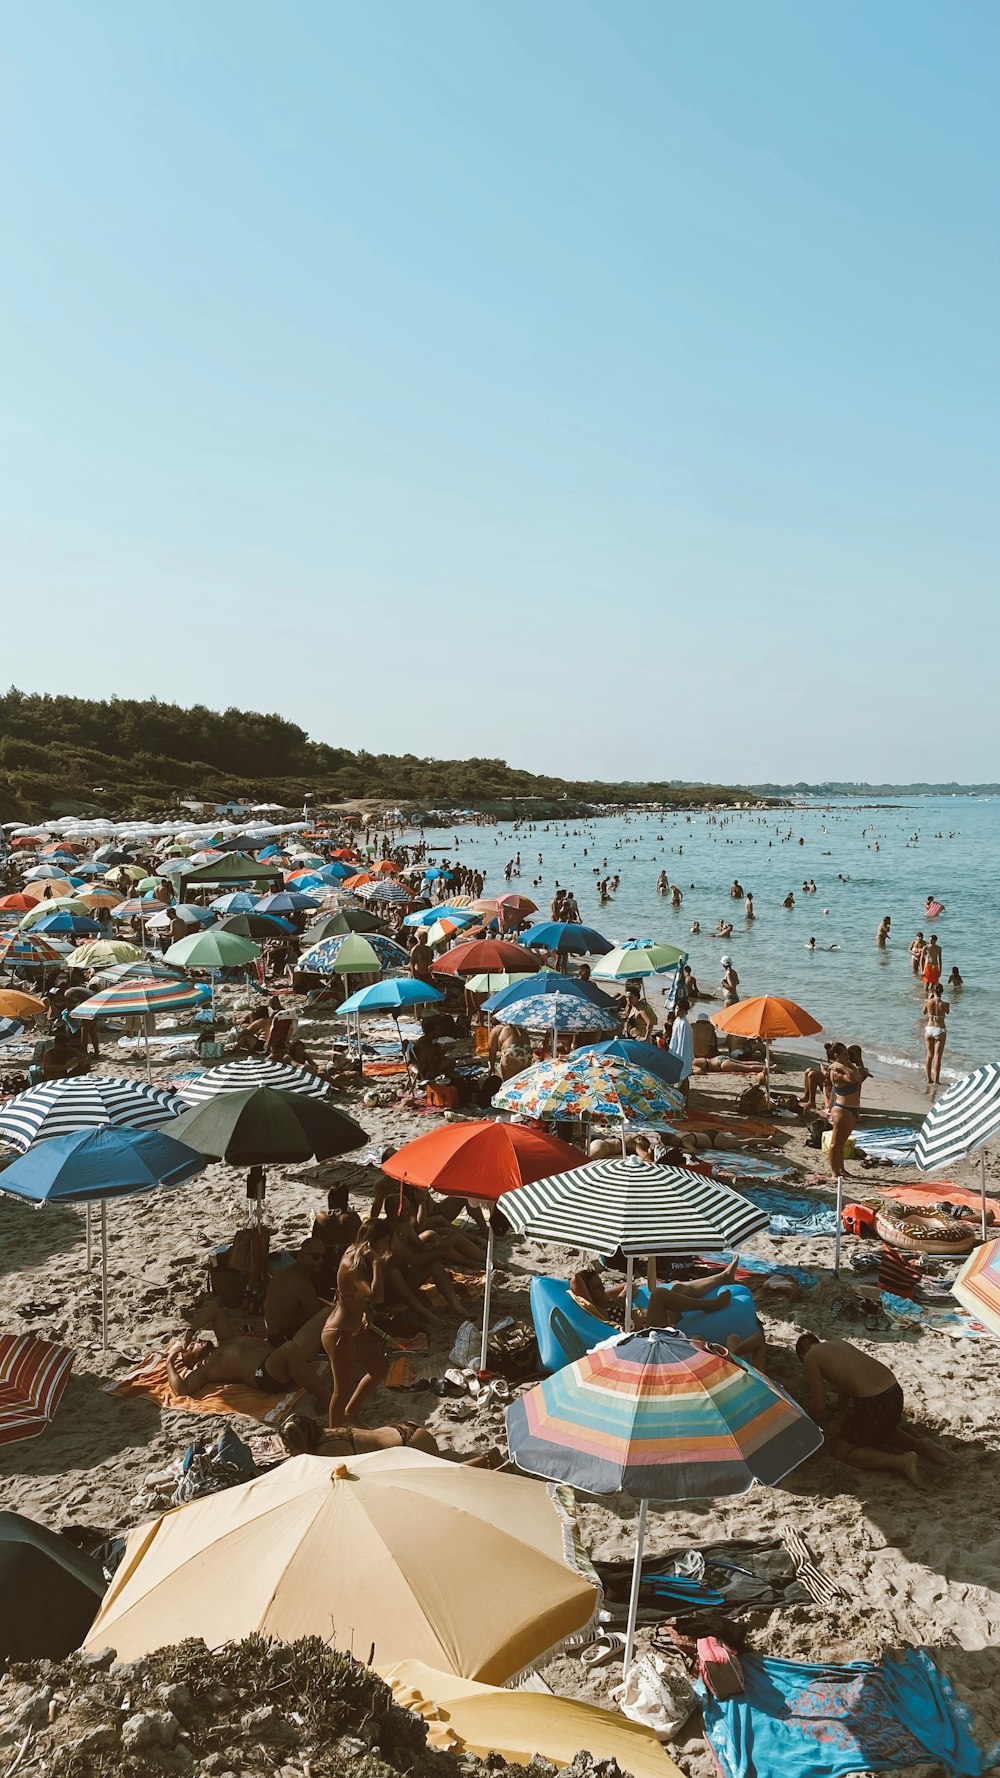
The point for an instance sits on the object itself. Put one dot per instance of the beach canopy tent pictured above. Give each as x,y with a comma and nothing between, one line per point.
655,1416
463,1716
51,1591
480,1160
93,1165
253,1071
385,1551
229,870
962,1123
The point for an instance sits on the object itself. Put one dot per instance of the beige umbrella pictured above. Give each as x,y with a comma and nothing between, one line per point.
397,1552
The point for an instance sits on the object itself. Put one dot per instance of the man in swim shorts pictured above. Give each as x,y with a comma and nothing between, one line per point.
871,1435
930,964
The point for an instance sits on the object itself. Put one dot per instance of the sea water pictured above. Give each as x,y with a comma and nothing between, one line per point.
947,847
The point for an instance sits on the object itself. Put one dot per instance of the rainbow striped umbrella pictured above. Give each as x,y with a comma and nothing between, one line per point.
655,1416
977,1286
141,997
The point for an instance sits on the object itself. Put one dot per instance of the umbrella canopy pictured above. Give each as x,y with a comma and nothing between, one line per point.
551,981
18,903
9,1029
33,1375
256,926
513,905
767,1017
337,925
443,929
587,1086
389,995
493,984
212,950
353,953
44,873
50,889
84,1102
253,1071
236,902
486,955
90,1164
388,1550
57,1588
259,1126
40,911
636,960
631,1204
141,996
188,913
568,936
962,1121
15,1005
98,897
287,901
19,951
977,1286
480,1160
106,951
648,1056
67,925
387,890
144,967
429,916
559,1012
463,1716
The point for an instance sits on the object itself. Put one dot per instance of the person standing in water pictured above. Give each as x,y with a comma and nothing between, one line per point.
916,953
882,936
936,1010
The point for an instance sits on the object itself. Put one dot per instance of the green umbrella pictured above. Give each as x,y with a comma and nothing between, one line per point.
212,949
148,883
637,960
263,1127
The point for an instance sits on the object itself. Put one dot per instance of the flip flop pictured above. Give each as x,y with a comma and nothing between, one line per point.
610,1646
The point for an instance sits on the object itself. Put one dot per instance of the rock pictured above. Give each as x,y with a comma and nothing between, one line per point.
221,1698
176,1698
97,1740
216,1764
268,1725
351,1748
130,1670
150,1728
101,1658
33,1710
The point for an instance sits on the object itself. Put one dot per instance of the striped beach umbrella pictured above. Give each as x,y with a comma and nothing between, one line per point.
33,1375
252,1071
977,1286
43,910
629,962
961,1124
85,1102
50,889
589,1087
655,1416
18,951
386,891
142,997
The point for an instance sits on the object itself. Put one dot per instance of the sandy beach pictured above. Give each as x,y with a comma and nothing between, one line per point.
917,1569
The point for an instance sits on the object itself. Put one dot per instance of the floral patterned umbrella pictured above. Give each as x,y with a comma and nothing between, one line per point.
353,953
588,1086
559,1012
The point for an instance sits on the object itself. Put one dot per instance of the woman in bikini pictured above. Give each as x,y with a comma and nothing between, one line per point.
350,1342
844,1087
936,1010
301,1434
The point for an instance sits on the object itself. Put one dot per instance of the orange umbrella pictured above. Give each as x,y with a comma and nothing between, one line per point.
48,889
386,868
767,1017
17,903
355,882
491,956
15,1005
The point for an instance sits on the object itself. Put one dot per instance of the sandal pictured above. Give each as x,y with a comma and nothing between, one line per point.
609,1646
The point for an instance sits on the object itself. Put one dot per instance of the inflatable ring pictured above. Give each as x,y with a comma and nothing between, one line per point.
924,1231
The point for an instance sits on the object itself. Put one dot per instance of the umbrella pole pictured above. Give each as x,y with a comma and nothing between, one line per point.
836,1242
104,1272
89,1239
486,1297
633,1601
629,1289
145,1039
651,1273
982,1192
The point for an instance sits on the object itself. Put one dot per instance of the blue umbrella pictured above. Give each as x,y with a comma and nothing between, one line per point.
286,901
563,935
93,1165
559,1012
389,996
436,871
549,981
336,870
75,925
639,1055
427,916
236,902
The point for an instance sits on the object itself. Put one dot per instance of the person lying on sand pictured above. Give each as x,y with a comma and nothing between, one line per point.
871,1435
195,1367
302,1434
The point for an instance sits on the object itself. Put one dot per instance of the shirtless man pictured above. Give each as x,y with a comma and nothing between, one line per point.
292,1297
930,962
350,1341
936,1010
871,1435
882,935
194,1367
730,982
421,960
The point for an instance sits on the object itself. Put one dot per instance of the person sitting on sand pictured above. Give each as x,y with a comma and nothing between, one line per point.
292,1296
637,1016
196,1367
871,1435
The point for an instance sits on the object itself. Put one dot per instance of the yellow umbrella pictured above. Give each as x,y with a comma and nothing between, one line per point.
484,1719
398,1552
100,952
61,904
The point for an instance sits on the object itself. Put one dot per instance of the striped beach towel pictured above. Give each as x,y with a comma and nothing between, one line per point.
33,1376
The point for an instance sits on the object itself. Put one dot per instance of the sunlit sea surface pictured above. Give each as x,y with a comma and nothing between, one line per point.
948,847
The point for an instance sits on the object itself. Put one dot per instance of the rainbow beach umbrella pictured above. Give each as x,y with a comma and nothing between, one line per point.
977,1286
17,951
653,1415
142,997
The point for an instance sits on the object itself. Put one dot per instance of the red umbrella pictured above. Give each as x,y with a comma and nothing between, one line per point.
16,904
487,956
481,1160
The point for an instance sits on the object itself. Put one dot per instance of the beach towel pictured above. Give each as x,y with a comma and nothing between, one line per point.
150,1381
806,1721
751,1129
941,1191
955,1322
894,1144
33,1375
750,1268
792,1213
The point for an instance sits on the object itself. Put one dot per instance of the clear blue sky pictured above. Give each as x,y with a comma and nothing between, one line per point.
611,385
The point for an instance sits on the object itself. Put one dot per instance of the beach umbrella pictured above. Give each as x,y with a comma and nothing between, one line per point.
15,1005
642,1208
962,1122
479,955
631,961
586,1087
94,1165
353,953
428,916
443,929
463,1717
84,1102
149,885
67,925
144,967
977,1286
256,926
435,872
56,1587
50,889
212,950
339,924
141,997
306,882
358,879
493,984
17,903
654,1416
44,872
105,951
43,910
96,897
481,1161
385,1551
559,1012
387,891
567,937
286,902
19,951
262,1126
648,1056
236,902
33,1377
768,1017
189,913
9,1029
335,871
250,1072
550,981
510,907
389,995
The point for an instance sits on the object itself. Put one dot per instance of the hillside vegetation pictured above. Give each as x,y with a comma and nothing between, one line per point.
139,756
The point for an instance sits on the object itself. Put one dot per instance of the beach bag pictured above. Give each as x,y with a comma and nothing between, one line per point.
750,1100
857,1219
661,1701
512,1351
719,1668
442,1094
210,1049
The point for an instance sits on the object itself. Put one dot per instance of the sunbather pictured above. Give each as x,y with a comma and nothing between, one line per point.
301,1434
871,1436
350,1342
195,1367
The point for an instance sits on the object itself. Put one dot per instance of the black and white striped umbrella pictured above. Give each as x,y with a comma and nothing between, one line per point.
58,1107
639,1207
960,1124
236,1077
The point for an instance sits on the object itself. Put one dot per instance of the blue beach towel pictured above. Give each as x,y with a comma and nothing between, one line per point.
793,1213
805,1721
